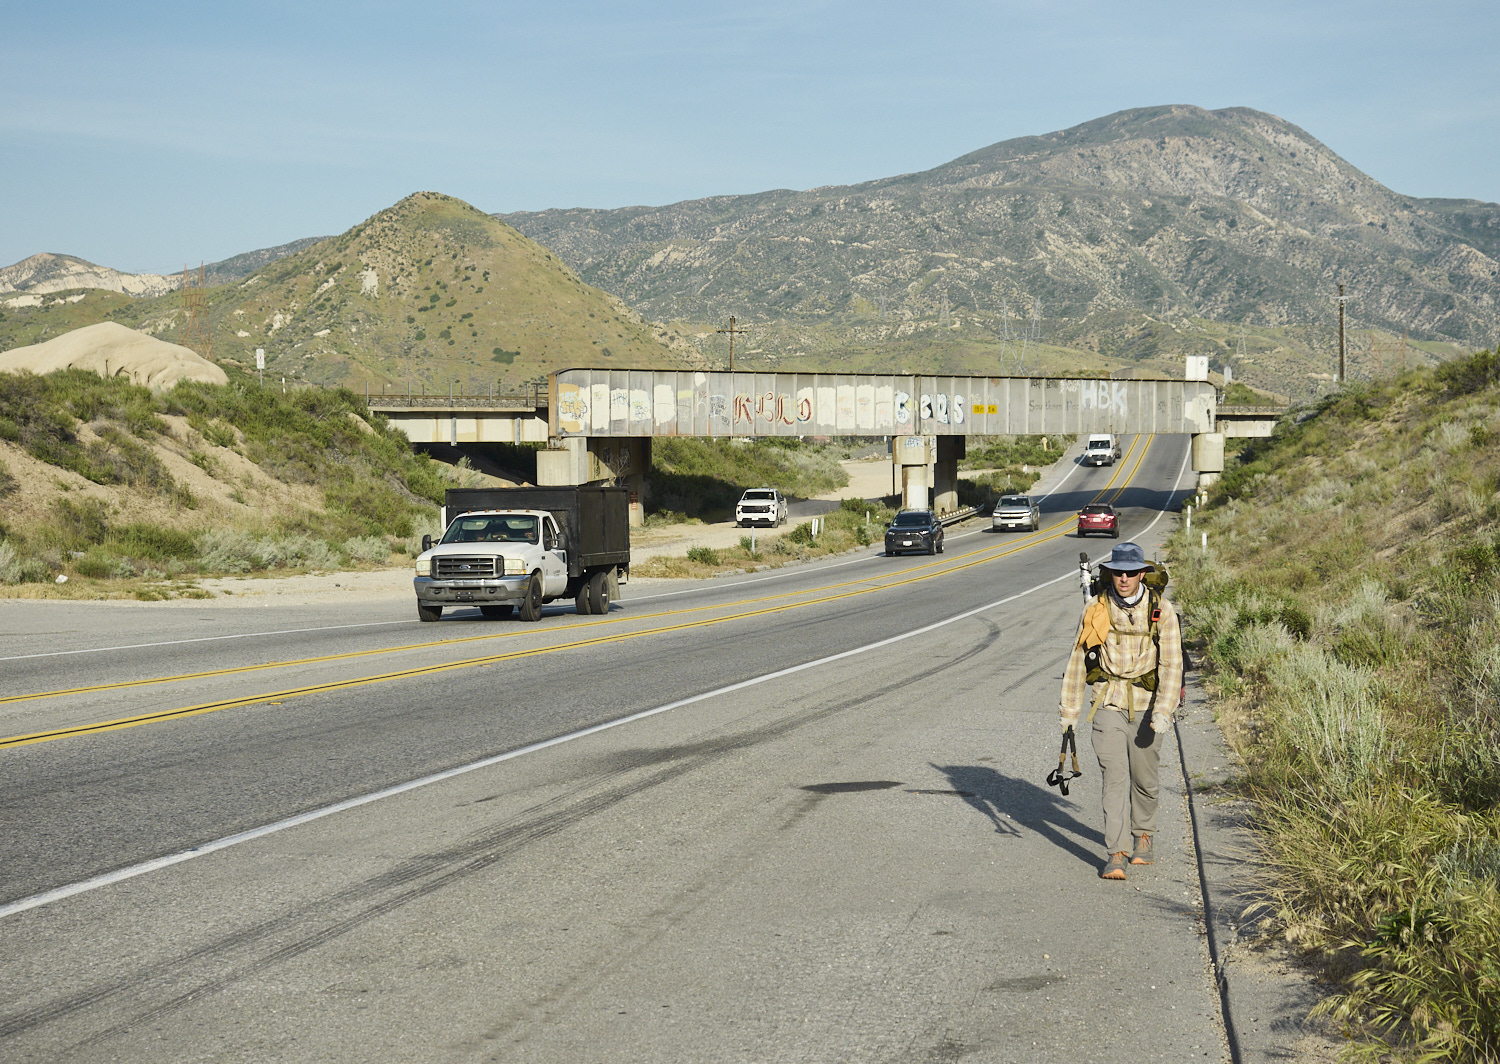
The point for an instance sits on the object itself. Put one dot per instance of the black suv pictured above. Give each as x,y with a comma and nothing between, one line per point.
914,530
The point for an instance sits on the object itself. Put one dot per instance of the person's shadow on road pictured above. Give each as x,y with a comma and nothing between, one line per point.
1013,804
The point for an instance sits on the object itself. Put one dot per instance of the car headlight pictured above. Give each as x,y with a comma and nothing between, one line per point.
424,566
515,566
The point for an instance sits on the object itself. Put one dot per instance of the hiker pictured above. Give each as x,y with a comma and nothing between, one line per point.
1085,577
1129,651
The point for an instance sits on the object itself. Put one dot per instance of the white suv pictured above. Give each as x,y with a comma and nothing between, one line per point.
760,506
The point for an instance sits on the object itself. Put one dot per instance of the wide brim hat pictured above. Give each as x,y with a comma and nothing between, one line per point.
1126,558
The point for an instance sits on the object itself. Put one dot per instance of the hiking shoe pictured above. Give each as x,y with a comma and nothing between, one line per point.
1142,853
1115,869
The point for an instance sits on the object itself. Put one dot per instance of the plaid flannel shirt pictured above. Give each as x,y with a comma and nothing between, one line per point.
1128,652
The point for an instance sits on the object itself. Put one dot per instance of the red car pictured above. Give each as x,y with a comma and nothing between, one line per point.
1099,517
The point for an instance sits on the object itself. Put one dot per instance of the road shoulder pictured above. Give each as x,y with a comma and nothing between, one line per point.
1267,987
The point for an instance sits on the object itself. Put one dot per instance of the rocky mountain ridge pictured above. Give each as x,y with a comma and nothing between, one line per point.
1110,234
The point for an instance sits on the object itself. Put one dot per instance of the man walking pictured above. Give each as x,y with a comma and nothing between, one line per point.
1128,652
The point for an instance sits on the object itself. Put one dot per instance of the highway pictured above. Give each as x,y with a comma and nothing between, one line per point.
792,815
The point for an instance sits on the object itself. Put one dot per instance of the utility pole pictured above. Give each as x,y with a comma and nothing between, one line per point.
1341,334
733,332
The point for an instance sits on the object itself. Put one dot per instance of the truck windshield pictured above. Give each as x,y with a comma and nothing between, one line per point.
758,496
510,528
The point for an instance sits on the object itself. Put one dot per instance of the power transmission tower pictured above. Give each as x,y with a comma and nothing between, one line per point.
733,332
195,333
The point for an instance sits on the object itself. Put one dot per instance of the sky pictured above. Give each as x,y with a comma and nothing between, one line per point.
147,135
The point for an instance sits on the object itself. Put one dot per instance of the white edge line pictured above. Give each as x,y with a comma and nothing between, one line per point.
203,639
157,863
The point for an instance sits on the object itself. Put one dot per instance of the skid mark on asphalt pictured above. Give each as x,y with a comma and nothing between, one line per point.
284,938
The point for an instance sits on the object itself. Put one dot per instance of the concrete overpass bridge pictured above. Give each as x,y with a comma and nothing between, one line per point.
598,424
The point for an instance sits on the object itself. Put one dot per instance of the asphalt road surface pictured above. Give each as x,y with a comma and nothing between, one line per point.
792,816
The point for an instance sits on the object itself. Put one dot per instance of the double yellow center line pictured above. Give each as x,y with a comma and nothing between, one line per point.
781,602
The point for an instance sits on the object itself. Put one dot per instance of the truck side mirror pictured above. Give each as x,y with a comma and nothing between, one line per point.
426,542
562,540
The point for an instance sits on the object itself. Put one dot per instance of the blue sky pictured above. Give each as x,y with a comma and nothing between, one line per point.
145,135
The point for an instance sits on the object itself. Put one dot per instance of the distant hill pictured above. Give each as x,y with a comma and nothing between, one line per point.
426,293
46,272
1141,236
238,266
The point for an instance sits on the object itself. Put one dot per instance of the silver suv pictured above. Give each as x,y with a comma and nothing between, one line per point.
1016,511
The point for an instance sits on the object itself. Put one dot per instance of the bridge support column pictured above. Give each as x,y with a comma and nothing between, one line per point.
635,479
945,473
564,463
913,454
914,487
1208,457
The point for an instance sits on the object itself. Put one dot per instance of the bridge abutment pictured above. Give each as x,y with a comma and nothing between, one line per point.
945,472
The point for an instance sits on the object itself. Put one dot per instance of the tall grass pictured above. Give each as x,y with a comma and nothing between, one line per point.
1350,615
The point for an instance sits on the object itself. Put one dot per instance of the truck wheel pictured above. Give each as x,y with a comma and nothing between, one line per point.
583,601
599,592
496,613
428,613
531,603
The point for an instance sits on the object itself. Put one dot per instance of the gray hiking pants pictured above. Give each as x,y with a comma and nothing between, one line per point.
1129,755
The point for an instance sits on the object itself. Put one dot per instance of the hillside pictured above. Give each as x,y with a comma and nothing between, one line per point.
426,293
1347,612
124,490
1141,236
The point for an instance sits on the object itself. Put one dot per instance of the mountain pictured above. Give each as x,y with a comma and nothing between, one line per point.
46,273
242,265
1139,236
426,293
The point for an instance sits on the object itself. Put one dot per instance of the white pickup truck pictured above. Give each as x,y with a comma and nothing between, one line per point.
760,506
516,549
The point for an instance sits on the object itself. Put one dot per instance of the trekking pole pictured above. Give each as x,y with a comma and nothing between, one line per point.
1059,776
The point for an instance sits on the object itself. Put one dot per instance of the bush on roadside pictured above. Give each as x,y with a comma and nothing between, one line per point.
372,549
15,568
